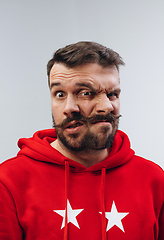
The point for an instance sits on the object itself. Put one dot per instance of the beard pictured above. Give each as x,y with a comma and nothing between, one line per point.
89,140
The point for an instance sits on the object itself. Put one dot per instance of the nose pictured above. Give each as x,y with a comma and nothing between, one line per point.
104,105
70,106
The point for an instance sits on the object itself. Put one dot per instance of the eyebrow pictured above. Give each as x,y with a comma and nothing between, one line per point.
54,84
117,90
88,85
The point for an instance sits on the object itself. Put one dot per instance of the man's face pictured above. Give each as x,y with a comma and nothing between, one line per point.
82,100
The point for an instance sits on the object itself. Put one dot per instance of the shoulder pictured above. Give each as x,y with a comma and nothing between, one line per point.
15,168
147,170
148,164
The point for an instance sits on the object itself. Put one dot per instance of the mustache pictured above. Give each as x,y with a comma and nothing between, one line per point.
110,117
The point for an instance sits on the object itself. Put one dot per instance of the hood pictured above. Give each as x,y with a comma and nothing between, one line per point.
38,148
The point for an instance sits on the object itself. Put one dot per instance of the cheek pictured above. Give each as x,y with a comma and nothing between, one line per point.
57,113
86,107
116,107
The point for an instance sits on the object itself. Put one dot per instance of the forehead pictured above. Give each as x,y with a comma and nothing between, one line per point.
92,73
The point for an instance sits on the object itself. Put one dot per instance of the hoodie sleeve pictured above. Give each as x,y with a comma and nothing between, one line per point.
9,225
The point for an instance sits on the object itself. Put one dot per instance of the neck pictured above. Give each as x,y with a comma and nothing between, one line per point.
87,157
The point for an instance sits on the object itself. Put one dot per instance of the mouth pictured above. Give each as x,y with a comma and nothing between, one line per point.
73,124
73,127
76,124
99,121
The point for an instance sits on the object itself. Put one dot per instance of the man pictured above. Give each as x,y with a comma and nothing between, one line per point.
81,180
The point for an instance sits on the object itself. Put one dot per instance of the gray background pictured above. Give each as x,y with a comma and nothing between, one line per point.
31,31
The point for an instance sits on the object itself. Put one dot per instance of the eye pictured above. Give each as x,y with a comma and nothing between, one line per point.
113,95
86,94
60,94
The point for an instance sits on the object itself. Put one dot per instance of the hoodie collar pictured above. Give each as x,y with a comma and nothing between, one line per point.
38,148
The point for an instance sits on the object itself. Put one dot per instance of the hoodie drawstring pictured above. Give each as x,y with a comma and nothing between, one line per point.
66,199
103,172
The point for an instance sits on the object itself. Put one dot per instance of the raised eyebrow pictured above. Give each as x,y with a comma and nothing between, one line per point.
54,84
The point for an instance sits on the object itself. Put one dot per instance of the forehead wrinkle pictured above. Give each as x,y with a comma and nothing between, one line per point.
59,77
107,89
85,77
69,73
62,75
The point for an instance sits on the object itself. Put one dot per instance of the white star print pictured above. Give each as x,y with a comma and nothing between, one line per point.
115,218
71,215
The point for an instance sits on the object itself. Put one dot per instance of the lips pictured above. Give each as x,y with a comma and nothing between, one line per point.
74,124
99,121
73,127
77,124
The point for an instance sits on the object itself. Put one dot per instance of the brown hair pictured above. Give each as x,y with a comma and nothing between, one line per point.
81,53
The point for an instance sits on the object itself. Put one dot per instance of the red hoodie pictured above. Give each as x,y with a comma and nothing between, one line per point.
120,198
